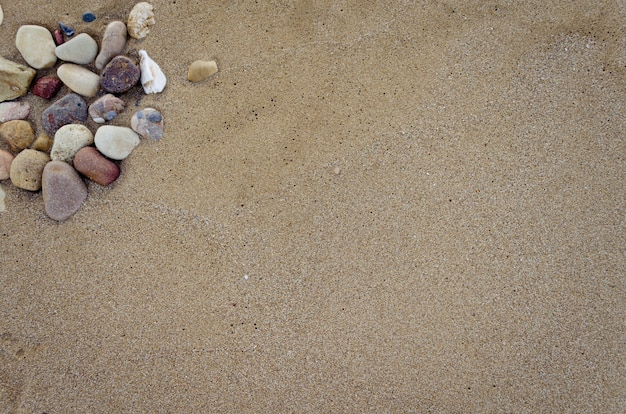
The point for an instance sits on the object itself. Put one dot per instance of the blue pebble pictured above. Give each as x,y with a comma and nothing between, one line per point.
140,114
89,17
110,115
69,32
154,117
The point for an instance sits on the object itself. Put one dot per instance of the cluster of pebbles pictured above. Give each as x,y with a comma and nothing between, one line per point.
57,159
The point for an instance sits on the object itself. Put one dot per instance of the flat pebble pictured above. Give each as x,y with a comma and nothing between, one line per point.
58,37
47,87
70,109
68,140
93,165
19,134
152,77
14,79
119,75
36,45
148,123
140,18
63,190
26,169
68,31
113,42
89,17
5,164
81,50
201,69
116,142
79,80
43,142
14,110
106,108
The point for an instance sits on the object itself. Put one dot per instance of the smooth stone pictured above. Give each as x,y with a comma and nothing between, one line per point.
63,190
72,108
1,15
106,108
140,18
10,111
68,31
93,165
43,142
2,196
36,45
19,134
113,43
79,80
152,77
89,17
27,168
68,140
58,37
148,123
47,87
201,69
116,142
119,75
14,79
5,164
81,50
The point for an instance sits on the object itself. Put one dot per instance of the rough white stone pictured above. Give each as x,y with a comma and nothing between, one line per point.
81,49
68,140
78,79
116,142
140,19
36,45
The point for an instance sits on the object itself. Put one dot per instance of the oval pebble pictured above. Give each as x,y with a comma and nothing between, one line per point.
148,123
19,134
106,108
89,17
10,111
58,37
47,87
81,50
93,165
63,190
119,75
27,168
78,79
43,142
68,140
201,69
36,45
70,109
5,164
113,42
116,142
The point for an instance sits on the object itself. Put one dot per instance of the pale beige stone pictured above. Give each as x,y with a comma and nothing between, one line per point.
27,168
78,79
36,45
140,19
14,79
201,69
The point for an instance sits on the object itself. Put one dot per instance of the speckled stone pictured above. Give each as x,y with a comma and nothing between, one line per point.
19,134
27,168
148,123
63,190
106,108
120,75
10,111
47,87
68,140
93,165
70,109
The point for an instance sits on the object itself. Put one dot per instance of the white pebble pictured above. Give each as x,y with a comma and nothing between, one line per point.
116,142
68,140
36,45
81,49
78,79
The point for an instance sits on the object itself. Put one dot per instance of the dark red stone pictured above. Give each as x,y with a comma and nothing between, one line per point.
47,87
95,166
58,37
119,75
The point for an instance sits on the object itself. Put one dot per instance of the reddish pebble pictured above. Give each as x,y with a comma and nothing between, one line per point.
5,164
47,86
93,165
58,37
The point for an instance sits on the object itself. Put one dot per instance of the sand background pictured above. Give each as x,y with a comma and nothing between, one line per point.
372,207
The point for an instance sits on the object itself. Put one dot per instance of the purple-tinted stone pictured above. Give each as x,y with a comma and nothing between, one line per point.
47,87
63,190
120,75
72,108
58,37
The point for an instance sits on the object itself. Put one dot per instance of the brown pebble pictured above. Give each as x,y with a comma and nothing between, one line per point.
93,165
43,142
120,75
5,164
27,168
63,190
19,134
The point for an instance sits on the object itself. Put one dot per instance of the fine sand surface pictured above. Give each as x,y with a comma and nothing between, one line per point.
392,206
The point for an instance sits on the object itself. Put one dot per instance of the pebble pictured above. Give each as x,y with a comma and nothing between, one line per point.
14,110
5,164
63,190
116,142
1,15
2,195
201,69
79,80
70,109
89,17
106,108
119,75
43,142
152,77
93,165
113,43
19,134
36,45
140,18
58,37
81,50
68,140
68,31
14,79
148,123
27,168
47,87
